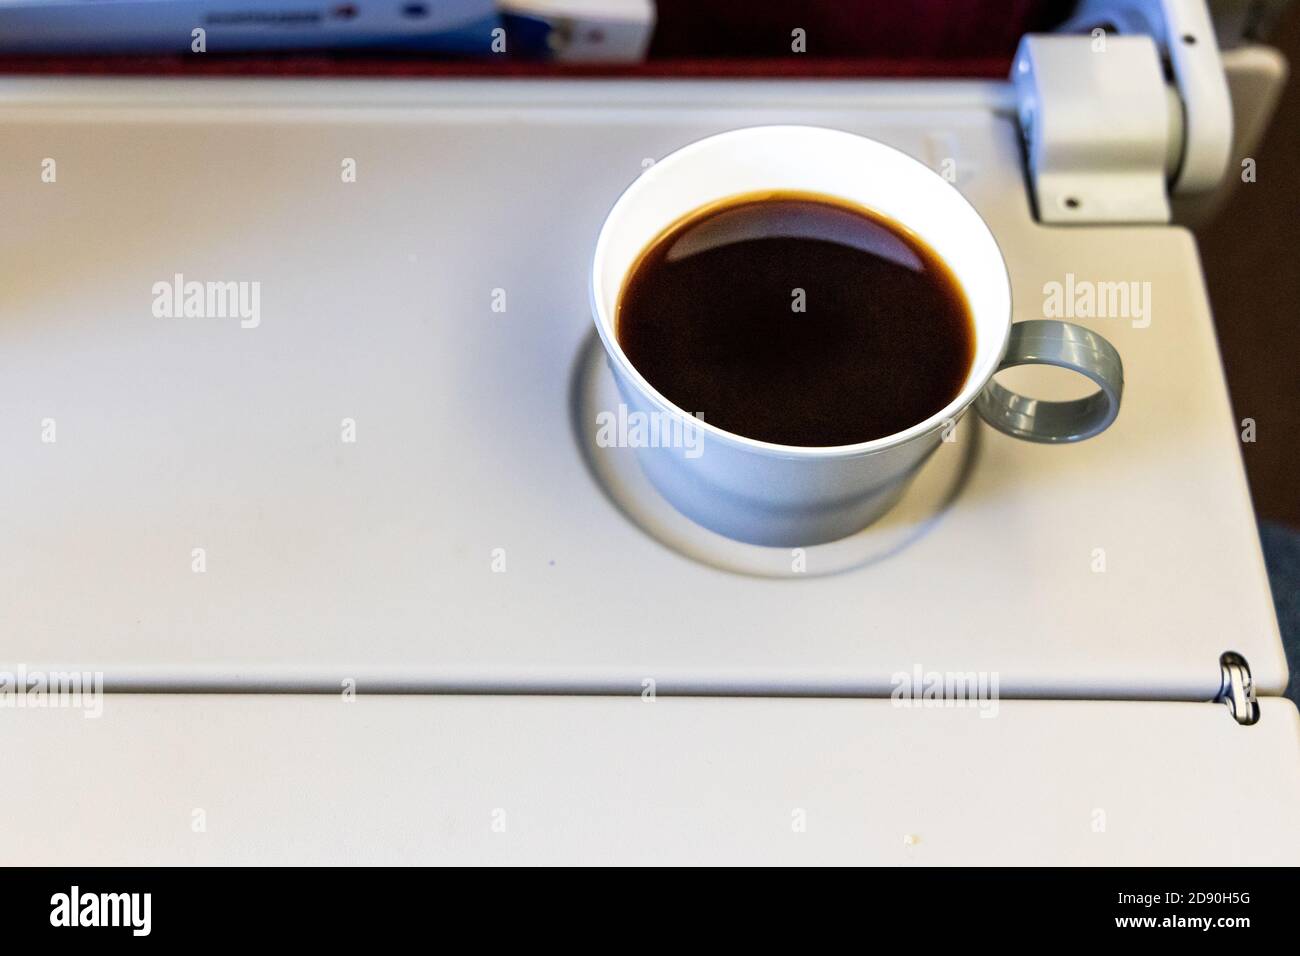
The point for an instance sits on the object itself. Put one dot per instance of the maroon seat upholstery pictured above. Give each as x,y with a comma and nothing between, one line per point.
692,38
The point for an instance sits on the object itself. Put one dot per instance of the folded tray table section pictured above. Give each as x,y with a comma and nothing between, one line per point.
233,779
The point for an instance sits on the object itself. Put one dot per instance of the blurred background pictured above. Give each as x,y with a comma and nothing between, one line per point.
1249,254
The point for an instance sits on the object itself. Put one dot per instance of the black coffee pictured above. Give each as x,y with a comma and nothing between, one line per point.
794,319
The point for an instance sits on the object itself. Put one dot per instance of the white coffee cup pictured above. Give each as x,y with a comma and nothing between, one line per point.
790,496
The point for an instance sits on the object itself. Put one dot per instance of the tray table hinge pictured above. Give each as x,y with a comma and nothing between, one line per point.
1107,136
1237,689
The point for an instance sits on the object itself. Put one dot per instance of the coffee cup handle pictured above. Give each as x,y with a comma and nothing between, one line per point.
1065,345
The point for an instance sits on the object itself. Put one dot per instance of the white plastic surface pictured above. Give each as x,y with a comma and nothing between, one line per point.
1097,128
373,560
1207,107
161,779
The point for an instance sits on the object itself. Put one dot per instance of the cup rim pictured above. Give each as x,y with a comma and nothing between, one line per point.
605,323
